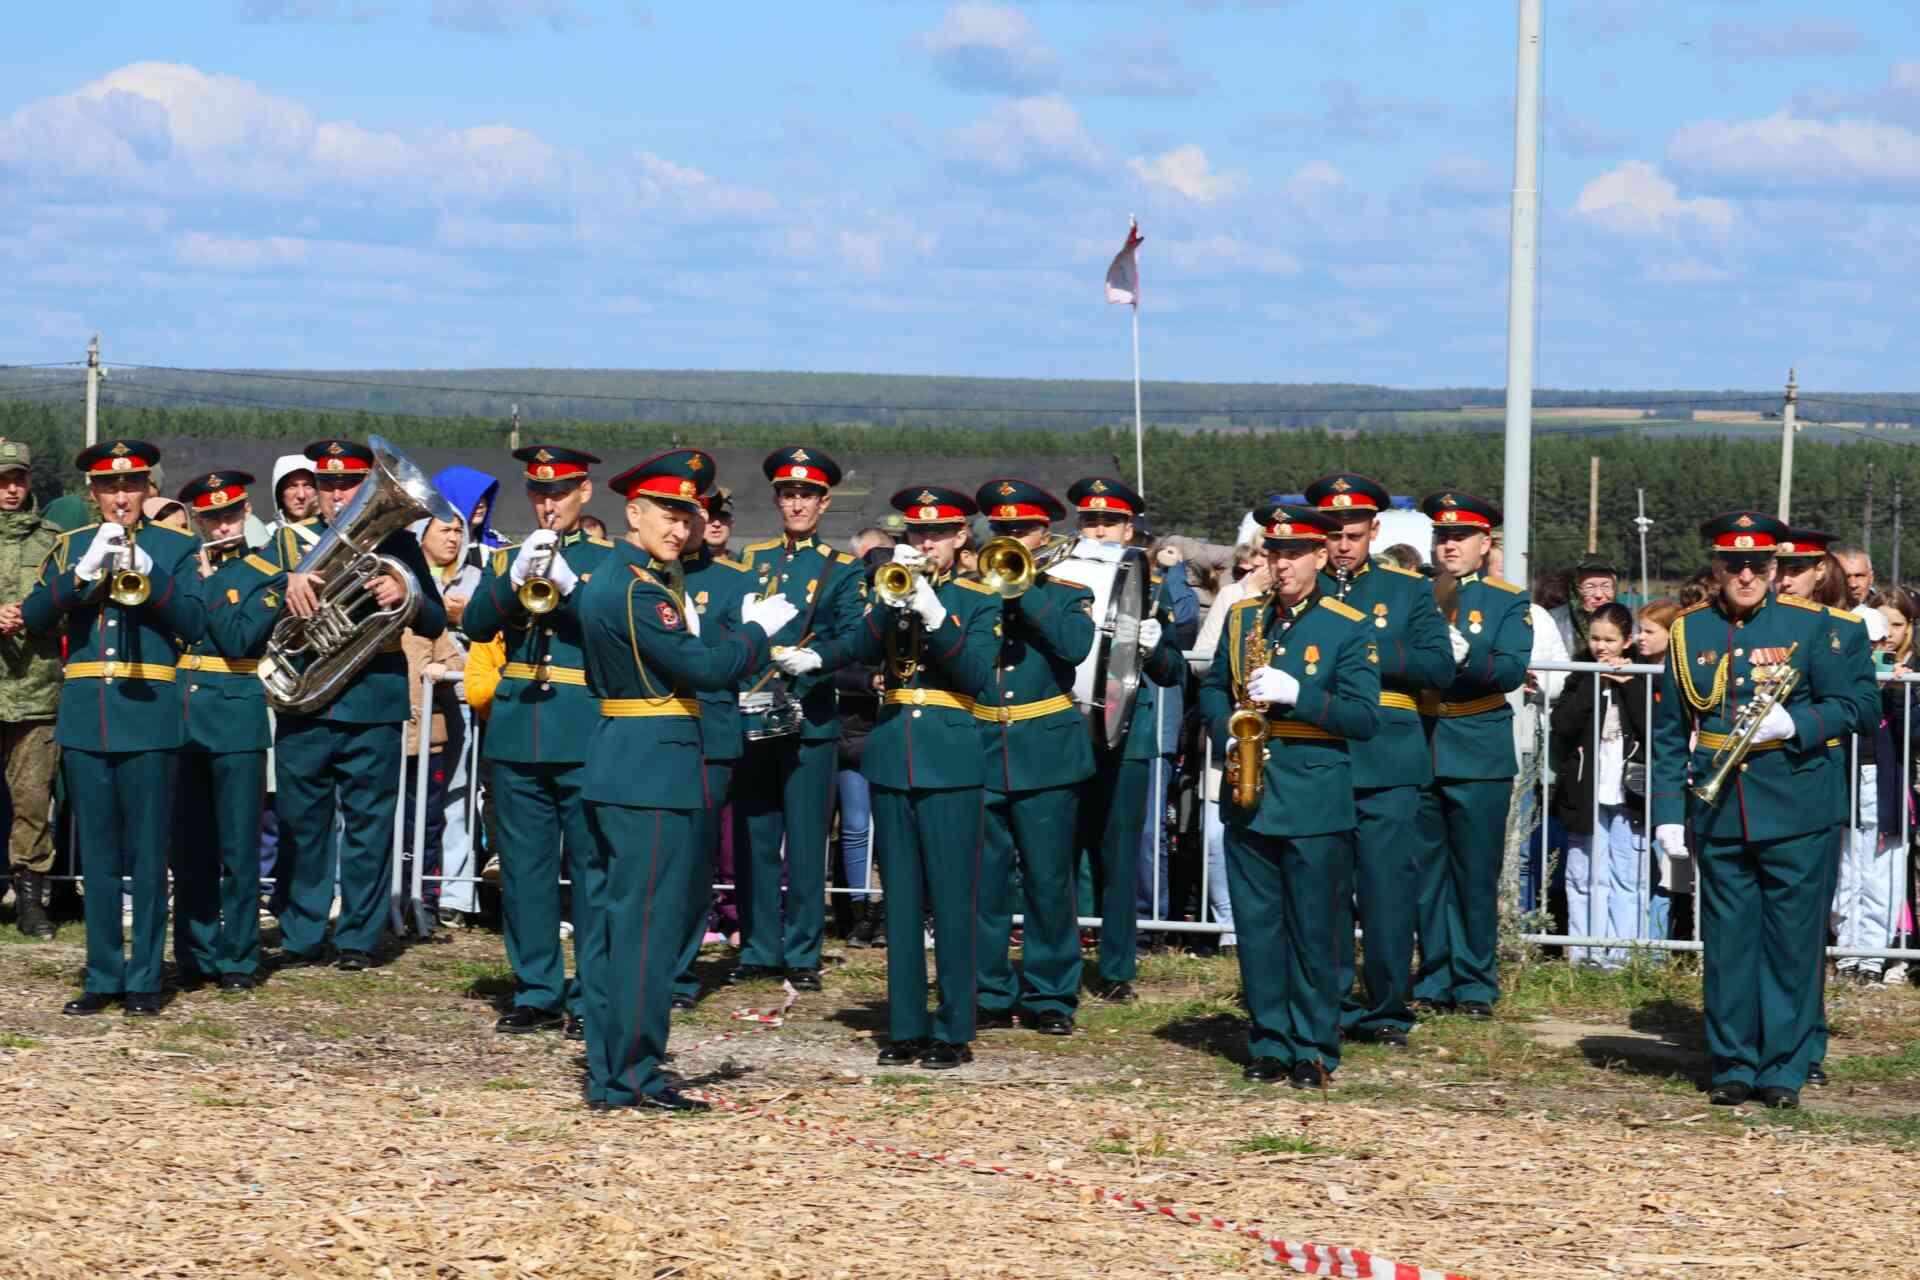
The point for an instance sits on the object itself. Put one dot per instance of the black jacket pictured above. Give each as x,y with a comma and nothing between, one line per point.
1571,742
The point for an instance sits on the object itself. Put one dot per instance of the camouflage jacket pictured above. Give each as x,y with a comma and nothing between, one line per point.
29,664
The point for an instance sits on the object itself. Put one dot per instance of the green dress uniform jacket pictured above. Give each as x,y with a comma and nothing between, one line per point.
1290,858
828,584
291,540
536,746
645,786
223,772
1034,735
1469,723
121,729
1409,635
29,661
1765,846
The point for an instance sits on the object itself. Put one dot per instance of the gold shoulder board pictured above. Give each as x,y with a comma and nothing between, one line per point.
1801,602
1844,616
1391,567
500,564
599,541
1504,585
971,585
1340,607
267,567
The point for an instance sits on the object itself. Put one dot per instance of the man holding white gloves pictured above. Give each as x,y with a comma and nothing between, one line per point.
1764,839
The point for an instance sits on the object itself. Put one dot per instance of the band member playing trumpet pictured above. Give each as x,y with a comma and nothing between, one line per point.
1311,663
121,592
1038,754
1759,684
345,757
223,766
537,736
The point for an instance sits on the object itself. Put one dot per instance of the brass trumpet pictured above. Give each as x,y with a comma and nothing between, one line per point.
1009,569
128,587
1245,771
1771,687
894,582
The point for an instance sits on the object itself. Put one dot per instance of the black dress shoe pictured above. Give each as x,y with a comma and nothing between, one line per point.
297,959
683,1003
141,1004
1816,1075
1779,1099
354,961
190,980
1309,1075
751,973
804,979
671,1100
236,982
941,1056
1430,1008
525,1019
900,1053
90,1003
1478,1010
1731,1094
576,1028
1050,1024
1265,1071
1116,992
1393,1037
993,1018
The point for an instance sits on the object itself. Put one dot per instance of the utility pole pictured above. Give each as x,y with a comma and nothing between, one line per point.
513,432
1641,523
1593,505
1516,493
1896,529
1866,521
93,391
1788,414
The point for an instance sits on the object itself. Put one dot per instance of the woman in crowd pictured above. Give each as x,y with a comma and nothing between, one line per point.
1867,900
1670,907
445,545
1599,728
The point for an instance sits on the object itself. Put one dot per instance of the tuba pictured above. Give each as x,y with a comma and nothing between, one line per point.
309,660
1771,687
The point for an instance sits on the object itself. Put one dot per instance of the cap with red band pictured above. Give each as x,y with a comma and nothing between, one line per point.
1017,502
117,457
551,464
1455,508
1281,525
798,465
339,457
1737,531
679,476
933,504
1798,544
1348,491
1104,494
216,490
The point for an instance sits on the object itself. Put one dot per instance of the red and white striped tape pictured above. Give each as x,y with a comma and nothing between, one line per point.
1306,1258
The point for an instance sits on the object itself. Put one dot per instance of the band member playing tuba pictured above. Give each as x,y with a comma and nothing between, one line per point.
122,591
345,756
1760,684
1311,660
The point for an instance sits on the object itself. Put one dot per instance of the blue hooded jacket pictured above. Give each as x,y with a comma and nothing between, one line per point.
465,488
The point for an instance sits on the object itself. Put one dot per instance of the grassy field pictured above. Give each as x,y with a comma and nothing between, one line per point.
374,1125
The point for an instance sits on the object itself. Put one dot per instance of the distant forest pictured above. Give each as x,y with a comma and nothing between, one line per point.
1198,481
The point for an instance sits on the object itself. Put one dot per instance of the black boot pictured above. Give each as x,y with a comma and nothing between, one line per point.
28,913
866,923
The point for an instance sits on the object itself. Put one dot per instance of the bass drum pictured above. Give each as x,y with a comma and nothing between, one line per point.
1108,681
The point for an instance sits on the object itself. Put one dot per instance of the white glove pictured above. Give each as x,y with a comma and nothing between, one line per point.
1777,726
1459,643
108,545
798,662
927,604
538,543
1676,871
910,556
1150,633
769,614
1672,839
1274,687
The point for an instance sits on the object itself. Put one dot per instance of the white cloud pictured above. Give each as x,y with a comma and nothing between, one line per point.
1788,151
1187,171
1220,253
1814,39
1636,197
989,46
1026,136
503,17
1133,64
239,253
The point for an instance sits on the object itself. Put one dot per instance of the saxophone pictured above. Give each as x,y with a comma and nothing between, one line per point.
1771,685
1245,771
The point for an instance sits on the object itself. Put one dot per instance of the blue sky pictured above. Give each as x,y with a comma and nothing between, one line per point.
896,186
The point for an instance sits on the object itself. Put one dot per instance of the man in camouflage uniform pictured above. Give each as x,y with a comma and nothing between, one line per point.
29,691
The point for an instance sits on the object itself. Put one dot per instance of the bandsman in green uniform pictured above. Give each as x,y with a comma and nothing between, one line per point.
1801,560
926,767
223,765
646,783
1764,842
716,587
1470,735
119,728
537,735
1113,803
783,789
1038,755
345,757
1390,769
1310,664
299,519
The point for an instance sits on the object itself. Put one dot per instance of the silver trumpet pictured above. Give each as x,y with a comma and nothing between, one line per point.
309,660
1771,685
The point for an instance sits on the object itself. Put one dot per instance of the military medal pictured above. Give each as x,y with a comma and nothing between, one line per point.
1473,621
1313,658
1380,615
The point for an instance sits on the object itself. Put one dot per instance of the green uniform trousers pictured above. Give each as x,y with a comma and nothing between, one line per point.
783,789
1287,893
1463,833
637,875
321,767
32,761
1036,829
928,843
122,811
541,820
1763,919
216,861
1112,808
1386,885
706,826
1818,1051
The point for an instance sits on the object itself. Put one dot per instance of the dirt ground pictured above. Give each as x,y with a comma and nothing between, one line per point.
374,1125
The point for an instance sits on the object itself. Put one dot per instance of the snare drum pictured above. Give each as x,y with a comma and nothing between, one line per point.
779,713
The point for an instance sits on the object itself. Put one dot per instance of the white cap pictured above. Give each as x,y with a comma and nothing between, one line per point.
1876,622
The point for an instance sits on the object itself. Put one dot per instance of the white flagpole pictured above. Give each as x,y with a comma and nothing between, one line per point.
1139,447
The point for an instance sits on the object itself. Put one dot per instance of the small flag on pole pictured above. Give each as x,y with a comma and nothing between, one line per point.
1123,274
